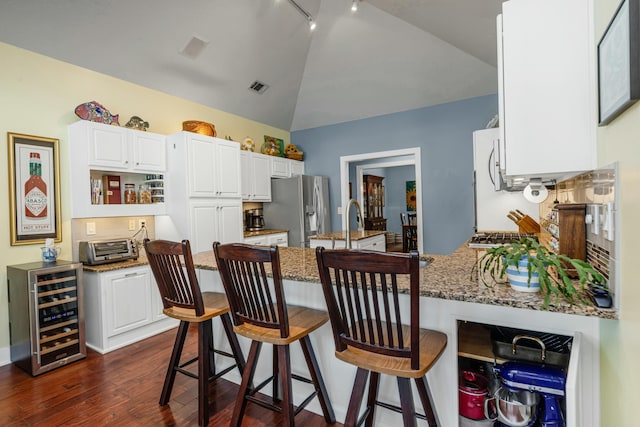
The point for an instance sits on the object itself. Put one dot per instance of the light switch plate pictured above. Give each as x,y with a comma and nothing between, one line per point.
91,228
132,225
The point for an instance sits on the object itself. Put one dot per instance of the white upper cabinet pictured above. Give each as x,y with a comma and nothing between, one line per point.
256,177
296,167
149,152
227,167
284,168
280,167
108,145
212,164
547,88
121,149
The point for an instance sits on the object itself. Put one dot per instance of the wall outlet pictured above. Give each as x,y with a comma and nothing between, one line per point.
132,225
339,210
91,228
142,222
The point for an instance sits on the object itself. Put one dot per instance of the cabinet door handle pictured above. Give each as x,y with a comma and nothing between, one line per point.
130,274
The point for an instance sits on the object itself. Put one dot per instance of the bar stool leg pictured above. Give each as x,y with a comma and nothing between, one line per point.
426,398
356,397
174,362
276,393
374,381
318,382
247,378
233,342
205,336
284,365
406,402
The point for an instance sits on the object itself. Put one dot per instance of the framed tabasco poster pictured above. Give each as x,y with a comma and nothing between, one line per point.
34,189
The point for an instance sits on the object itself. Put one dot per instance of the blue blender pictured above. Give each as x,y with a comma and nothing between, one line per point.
548,381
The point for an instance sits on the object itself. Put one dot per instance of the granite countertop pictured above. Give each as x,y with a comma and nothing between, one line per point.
102,268
342,235
445,277
263,232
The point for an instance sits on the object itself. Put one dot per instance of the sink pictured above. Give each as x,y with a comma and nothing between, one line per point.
424,262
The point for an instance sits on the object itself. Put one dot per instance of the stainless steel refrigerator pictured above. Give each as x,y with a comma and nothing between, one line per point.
300,205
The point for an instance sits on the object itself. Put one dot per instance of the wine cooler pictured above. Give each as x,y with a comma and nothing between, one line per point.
46,319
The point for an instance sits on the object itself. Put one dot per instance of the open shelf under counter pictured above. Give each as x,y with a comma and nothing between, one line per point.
474,342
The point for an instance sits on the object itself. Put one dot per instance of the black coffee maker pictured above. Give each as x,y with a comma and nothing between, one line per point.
254,220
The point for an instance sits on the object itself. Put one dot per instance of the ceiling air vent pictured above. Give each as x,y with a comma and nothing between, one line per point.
259,87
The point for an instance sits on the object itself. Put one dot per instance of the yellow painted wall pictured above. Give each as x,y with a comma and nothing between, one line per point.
620,340
38,96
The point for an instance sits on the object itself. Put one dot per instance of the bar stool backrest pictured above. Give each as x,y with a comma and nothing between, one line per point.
173,269
252,297
360,316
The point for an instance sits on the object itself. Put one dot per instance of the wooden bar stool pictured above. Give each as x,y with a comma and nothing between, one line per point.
369,330
257,316
173,269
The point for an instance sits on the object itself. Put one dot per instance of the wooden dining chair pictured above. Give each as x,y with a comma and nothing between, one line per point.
260,313
173,269
372,332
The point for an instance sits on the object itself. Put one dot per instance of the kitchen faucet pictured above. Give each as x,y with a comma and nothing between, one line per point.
358,219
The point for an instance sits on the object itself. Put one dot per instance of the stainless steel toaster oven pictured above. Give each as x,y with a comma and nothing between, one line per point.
95,252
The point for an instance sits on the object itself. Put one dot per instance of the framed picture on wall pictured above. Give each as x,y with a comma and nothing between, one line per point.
619,62
34,189
411,196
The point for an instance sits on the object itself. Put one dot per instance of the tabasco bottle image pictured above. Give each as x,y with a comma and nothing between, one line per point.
35,190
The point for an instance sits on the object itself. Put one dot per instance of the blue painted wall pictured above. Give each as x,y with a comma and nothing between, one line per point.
444,134
395,186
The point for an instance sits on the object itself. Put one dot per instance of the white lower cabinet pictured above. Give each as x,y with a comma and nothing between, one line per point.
214,220
257,240
373,243
278,239
122,307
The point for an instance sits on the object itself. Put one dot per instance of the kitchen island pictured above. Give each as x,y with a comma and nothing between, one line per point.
448,298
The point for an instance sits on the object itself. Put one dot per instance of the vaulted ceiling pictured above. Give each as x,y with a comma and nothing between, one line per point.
389,56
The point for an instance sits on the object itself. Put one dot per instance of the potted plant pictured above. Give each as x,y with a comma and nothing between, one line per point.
554,274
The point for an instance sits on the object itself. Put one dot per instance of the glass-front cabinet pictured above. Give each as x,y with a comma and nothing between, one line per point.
373,203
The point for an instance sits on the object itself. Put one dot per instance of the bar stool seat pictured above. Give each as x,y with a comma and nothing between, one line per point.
431,343
215,304
302,321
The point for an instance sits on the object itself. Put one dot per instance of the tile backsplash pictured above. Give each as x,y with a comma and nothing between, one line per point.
596,189
108,228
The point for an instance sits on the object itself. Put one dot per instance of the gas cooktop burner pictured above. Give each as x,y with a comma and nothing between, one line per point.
491,239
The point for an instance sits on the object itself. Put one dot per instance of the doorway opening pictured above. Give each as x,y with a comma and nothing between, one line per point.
377,160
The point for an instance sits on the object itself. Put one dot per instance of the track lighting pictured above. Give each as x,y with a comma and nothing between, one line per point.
307,15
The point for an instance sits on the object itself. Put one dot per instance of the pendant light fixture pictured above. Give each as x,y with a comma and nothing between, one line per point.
354,5
307,15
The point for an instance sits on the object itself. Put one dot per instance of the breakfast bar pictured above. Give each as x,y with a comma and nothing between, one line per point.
449,299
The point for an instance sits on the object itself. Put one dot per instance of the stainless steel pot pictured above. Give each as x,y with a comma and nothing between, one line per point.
513,408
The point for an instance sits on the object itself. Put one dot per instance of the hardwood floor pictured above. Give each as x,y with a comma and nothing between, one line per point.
122,388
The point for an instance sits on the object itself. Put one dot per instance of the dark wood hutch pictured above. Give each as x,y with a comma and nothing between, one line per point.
373,203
